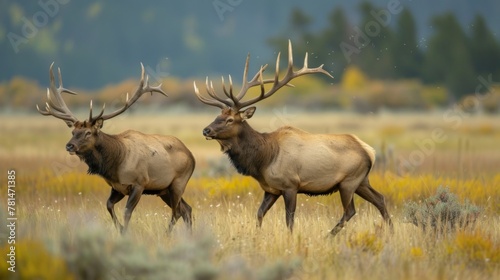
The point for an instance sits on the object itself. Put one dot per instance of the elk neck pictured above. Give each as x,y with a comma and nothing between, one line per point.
250,151
105,157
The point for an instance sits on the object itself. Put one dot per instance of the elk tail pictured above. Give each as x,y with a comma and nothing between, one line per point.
368,149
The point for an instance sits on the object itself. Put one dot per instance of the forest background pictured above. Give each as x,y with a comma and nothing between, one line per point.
416,55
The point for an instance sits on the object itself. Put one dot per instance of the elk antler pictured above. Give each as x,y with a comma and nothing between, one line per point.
143,88
60,110
235,102
57,109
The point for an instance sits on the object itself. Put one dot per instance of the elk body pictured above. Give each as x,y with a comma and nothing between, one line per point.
131,162
290,161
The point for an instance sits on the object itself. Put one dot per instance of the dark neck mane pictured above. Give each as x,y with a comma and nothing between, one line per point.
250,151
105,158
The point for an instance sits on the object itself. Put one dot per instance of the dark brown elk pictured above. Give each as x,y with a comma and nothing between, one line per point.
131,162
290,161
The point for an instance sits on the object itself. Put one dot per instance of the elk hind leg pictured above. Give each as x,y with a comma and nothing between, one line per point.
369,194
184,211
173,198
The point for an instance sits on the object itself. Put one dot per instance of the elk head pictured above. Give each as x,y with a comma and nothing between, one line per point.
85,133
234,110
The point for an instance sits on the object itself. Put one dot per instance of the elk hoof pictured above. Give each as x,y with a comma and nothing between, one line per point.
122,229
335,230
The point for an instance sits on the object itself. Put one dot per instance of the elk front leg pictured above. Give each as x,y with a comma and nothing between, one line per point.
267,203
114,198
133,199
290,197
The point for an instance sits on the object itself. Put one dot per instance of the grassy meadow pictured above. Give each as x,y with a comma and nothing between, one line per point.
64,228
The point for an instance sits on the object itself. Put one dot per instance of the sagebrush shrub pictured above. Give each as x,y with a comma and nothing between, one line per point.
442,211
93,254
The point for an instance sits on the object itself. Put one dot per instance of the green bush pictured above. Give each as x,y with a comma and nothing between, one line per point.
441,212
94,254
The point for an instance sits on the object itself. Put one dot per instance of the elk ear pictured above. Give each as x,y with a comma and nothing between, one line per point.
98,123
70,124
248,113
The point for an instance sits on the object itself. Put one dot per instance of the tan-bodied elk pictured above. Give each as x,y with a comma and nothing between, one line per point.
131,162
290,161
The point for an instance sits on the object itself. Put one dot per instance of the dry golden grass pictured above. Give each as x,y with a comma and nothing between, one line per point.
57,200
225,213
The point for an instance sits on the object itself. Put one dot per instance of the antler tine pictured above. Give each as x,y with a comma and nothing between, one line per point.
277,83
235,100
49,104
146,87
306,61
143,88
258,80
100,114
232,102
261,79
230,84
206,100
290,59
209,87
211,92
306,70
248,84
230,93
90,115
245,71
224,88
277,72
58,109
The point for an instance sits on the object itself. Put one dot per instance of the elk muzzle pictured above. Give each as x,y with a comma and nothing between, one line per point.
71,148
208,133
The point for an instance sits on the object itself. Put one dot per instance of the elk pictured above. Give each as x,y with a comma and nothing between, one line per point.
289,161
131,162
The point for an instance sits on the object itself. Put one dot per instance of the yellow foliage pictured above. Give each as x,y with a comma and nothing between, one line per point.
232,219
216,187
46,182
19,92
33,261
434,96
416,252
354,79
483,192
400,189
366,242
474,247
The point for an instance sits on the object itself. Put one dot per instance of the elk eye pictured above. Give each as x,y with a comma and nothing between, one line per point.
88,133
229,121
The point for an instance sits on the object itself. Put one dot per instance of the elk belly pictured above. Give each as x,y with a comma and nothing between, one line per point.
315,168
320,176
121,188
319,187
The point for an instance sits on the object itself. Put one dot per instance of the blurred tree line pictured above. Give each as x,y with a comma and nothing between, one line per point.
384,45
376,55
